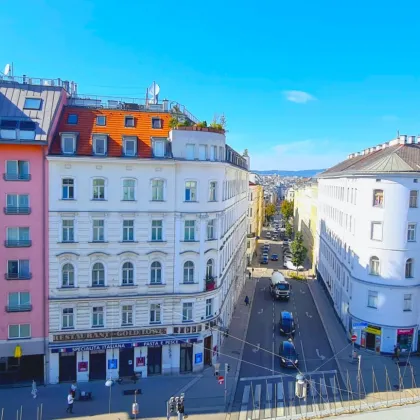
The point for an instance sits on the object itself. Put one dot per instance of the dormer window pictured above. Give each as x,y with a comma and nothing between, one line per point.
8,129
129,121
130,146
158,148
32,103
99,145
27,130
156,122
68,144
72,119
101,120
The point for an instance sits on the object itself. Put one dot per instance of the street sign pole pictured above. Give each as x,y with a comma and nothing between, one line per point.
353,340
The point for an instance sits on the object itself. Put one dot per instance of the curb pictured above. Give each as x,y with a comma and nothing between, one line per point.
343,377
238,366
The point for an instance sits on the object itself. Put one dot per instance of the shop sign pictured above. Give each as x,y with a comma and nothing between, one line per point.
198,358
140,361
158,343
405,331
82,367
101,335
113,364
373,330
93,347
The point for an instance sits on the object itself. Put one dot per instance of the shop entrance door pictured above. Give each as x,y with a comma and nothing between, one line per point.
67,367
127,362
97,364
208,345
186,358
370,341
154,360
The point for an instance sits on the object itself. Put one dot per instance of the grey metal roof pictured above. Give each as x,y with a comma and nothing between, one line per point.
12,99
399,158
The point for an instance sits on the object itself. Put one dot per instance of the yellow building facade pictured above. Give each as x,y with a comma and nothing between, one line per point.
255,218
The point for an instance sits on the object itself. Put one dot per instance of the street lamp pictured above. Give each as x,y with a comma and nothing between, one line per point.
109,382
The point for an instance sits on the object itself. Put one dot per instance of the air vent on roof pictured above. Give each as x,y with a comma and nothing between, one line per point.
131,106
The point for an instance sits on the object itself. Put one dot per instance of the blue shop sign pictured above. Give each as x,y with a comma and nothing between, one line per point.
158,343
198,358
113,364
92,347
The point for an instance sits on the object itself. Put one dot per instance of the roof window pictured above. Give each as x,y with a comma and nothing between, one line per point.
72,119
32,103
101,120
129,121
156,122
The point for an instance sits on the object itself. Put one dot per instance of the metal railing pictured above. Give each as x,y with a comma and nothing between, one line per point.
15,243
18,276
70,87
16,177
17,210
19,308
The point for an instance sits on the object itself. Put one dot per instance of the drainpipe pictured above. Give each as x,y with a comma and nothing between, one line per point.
45,302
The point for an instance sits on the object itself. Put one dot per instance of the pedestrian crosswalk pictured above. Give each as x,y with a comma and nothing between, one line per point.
275,397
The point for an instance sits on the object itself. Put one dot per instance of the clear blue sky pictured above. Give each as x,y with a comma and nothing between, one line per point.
357,61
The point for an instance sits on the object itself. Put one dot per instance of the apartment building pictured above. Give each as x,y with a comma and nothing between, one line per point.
369,242
147,241
255,218
29,110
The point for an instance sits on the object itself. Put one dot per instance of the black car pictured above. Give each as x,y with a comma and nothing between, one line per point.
274,257
287,324
288,355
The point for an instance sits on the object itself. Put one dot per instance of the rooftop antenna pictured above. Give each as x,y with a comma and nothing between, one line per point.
153,92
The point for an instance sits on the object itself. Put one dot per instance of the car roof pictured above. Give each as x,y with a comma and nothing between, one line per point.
288,345
286,315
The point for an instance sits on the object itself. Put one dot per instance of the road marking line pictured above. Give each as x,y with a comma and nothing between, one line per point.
257,378
303,355
320,355
268,397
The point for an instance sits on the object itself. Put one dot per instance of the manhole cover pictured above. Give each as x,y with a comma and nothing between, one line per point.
236,352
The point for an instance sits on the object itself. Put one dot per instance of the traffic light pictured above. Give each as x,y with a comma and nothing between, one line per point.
172,405
216,369
227,367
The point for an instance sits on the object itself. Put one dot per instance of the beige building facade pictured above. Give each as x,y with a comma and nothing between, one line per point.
255,218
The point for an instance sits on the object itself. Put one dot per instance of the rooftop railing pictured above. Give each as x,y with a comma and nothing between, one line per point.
70,87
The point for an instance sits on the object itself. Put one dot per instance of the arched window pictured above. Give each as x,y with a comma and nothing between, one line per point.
156,273
98,275
210,269
409,268
374,266
67,278
127,274
189,272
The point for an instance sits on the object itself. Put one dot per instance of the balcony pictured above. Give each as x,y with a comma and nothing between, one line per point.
251,235
18,276
17,243
19,308
16,177
17,210
210,283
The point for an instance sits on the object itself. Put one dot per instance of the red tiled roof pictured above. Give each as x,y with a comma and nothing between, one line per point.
114,128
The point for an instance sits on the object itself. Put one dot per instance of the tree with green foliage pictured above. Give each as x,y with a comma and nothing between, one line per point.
287,209
298,250
270,211
288,229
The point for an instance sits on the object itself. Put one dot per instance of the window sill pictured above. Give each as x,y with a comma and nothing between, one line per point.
19,338
211,239
155,323
67,199
189,283
98,287
128,286
98,242
68,329
411,242
128,242
190,201
371,307
157,201
99,327
156,284
157,242
129,201
189,321
191,241
127,325
67,288
212,201
98,199
68,242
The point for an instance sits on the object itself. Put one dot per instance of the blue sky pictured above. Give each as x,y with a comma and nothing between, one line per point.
302,84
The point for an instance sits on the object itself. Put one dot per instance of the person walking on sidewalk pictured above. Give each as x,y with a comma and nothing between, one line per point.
246,300
70,401
396,354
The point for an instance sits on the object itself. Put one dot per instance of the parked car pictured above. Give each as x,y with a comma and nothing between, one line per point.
290,266
286,242
288,355
264,259
274,257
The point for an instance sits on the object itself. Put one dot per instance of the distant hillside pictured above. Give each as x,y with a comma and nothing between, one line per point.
307,173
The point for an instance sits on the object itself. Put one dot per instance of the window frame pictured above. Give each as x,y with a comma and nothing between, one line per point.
414,231
409,268
68,315
127,139
96,228
127,311
376,260
159,189
68,188
372,230
372,294
19,273
92,268
102,311
98,119
69,136
154,119
126,189
191,230
94,191
155,148
156,230
155,305
212,192
153,270
20,175
211,228
68,229
129,118
70,263
72,115
190,309
96,138
409,307
413,200
201,148
192,191
124,270
210,268
209,305
189,147
33,108
190,272
128,229
20,327
378,203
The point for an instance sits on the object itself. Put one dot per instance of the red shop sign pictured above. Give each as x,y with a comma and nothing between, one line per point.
83,367
407,331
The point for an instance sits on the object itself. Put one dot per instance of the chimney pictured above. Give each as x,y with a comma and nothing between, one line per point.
378,147
418,139
385,145
165,105
411,139
403,139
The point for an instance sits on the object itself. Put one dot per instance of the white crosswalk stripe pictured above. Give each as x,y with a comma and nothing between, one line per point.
257,400
268,398
280,400
244,406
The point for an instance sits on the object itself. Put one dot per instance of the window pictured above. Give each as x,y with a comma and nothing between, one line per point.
99,145
189,230
212,191
210,269
189,272
17,204
187,311
68,145
202,152
376,231
157,230
129,121
127,274
211,230
221,154
8,129
67,275
158,148
98,316
190,152
128,230
413,199
409,269
72,119
407,303
209,308
98,189
18,237
213,153
32,103
17,170
19,301
372,299
27,130
156,273
67,321
374,266
127,315
155,313
411,232
156,122
98,275
378,198
98,231
19,331
18,269
129,190
191,191
130,146
67,188
68,230
101,120
157,190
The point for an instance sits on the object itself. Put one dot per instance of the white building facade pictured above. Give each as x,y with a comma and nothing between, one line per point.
368,220
147,257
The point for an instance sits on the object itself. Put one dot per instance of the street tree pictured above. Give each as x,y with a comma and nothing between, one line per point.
288,229
287,209
270,211
299,251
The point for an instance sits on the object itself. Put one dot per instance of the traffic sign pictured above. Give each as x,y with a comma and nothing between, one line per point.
221,380
353,338
359,325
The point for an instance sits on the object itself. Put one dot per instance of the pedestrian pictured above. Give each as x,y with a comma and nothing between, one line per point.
246,300
73,389
249,275
396,354
70,401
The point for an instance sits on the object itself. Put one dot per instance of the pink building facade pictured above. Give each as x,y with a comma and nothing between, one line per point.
29,111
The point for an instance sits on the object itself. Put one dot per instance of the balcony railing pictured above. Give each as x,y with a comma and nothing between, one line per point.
16,177
19,308
17,210
16,243
210,284
18,276
251,235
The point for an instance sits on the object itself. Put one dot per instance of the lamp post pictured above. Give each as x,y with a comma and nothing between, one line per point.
109,382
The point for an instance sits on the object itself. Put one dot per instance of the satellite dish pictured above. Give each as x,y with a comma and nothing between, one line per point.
6,69
154,90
